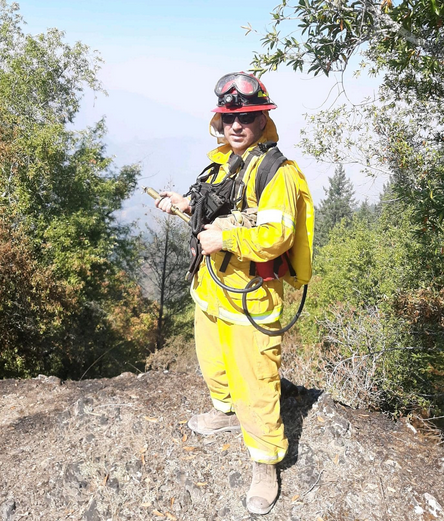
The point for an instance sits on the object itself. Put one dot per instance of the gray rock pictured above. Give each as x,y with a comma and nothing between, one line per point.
74,478
224,512
433,506
78,408
195,492
91,513
7,510
236,480
339,426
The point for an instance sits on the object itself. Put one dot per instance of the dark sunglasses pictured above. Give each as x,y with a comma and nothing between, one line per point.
245,118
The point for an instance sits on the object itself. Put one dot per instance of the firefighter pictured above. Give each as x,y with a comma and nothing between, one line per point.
240,364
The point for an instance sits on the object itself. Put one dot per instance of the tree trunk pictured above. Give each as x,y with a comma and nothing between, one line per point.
159,340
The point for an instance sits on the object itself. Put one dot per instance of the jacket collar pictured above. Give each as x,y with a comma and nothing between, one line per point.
221,154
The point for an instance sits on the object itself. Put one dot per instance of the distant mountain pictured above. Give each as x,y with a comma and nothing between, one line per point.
160,137
165,162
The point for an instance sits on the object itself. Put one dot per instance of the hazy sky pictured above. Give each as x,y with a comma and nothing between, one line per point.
162,60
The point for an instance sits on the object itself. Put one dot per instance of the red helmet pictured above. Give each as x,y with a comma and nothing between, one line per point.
241,92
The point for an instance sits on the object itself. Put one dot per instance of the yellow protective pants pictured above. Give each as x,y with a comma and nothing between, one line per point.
240,366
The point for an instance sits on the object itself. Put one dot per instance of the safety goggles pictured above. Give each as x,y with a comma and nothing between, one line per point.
243,83
244,118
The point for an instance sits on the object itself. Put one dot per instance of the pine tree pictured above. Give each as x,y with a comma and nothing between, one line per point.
339,204
367,212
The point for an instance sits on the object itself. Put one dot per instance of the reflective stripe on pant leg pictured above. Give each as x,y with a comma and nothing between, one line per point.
210,358
252,362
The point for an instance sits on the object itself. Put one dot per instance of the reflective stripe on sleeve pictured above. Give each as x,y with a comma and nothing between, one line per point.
274,216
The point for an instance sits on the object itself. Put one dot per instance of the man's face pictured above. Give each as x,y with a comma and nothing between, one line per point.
240,135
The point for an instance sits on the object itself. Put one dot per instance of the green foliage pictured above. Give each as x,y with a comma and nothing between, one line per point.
382,335
406,37
33,307
375,360
72,300
367,212
56,73
376,300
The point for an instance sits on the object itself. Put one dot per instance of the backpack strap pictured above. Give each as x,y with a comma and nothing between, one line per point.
240,185
210,170
271,163
290,267
277,263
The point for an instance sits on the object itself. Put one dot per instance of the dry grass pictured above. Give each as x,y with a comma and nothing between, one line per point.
179,354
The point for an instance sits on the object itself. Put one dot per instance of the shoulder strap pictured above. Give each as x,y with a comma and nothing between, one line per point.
239,189
267,169
209,171
273,159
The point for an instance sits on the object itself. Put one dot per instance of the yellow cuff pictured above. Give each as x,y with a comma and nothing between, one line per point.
228,240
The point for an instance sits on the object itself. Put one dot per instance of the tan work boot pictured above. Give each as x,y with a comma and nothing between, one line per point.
214,421
263,490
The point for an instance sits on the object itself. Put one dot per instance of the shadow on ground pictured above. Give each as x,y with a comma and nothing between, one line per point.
296,403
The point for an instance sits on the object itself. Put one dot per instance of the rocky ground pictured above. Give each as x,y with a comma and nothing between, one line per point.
120,449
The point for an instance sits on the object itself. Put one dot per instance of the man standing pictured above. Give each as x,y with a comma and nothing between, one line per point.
240,364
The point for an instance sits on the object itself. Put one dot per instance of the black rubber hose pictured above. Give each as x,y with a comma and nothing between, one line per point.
249,288
273,332
254,285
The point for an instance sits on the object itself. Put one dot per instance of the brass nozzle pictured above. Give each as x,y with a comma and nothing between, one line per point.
174,210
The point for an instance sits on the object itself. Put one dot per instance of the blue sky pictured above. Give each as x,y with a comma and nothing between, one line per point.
162,60
132,20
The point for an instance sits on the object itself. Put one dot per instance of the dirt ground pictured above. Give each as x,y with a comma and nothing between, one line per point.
120,449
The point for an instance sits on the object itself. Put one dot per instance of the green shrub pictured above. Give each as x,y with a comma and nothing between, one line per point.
374,317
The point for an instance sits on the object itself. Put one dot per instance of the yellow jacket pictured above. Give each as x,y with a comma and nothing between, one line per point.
285,222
